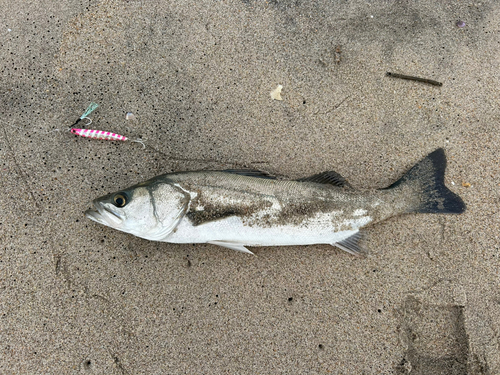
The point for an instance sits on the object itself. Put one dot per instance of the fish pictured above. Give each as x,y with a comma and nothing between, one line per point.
239,208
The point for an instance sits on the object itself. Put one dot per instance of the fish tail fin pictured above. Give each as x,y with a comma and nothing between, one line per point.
424,188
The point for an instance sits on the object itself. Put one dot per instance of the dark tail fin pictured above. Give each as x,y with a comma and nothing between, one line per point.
426,181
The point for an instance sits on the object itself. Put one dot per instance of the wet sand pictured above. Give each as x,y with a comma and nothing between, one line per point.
77,297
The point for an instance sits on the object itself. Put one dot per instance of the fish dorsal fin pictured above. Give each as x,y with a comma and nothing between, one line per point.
232,246
250,173
350,244
329,177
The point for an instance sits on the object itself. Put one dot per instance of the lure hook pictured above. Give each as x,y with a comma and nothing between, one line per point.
90,121
139,141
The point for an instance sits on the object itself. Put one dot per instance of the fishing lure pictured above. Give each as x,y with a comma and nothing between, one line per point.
99,134
104,135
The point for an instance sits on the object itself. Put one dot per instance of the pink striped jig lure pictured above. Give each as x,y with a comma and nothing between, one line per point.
104,135
98,134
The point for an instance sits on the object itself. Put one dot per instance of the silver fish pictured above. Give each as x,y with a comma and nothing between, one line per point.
239,208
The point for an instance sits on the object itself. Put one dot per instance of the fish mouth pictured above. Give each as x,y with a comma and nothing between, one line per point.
104,215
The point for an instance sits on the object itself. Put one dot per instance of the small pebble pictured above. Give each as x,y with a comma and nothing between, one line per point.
460,24
130,116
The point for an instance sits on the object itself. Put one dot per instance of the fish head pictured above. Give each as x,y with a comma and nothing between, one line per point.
150,210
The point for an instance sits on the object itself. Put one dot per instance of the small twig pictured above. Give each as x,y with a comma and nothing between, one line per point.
412,78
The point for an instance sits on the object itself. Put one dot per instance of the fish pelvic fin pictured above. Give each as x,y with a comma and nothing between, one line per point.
232,246
425,183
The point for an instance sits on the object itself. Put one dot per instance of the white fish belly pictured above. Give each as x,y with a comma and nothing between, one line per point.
318,230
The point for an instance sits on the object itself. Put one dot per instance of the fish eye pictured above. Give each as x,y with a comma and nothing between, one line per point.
120,200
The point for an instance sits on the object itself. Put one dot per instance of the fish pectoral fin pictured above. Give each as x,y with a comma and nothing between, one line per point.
350,244
231,245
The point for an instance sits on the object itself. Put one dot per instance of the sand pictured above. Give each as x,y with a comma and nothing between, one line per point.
77,297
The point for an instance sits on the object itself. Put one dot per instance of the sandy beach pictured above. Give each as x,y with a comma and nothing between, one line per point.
77,297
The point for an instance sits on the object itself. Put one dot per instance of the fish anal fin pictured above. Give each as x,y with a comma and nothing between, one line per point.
351,244
329,177
231,245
